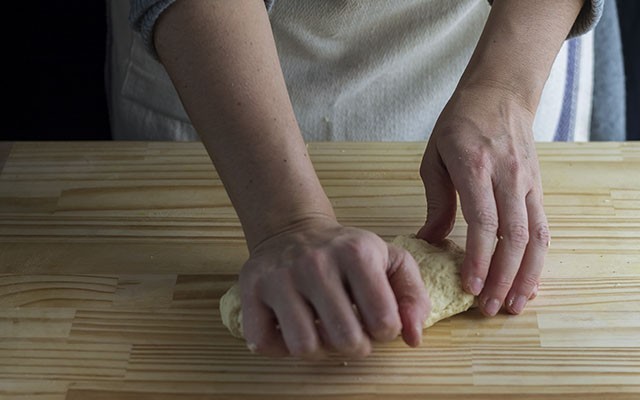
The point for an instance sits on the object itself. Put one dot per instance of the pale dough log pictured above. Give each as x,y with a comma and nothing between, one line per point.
440,270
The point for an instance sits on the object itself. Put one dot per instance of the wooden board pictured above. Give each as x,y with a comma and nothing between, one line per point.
114,256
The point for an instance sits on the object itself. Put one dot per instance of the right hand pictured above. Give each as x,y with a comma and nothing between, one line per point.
300,286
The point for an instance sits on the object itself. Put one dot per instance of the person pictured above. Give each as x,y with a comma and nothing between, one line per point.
480,82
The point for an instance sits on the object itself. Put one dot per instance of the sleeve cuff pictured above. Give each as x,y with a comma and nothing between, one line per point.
144,14
588,17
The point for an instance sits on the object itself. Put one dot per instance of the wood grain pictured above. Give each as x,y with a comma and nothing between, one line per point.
113,257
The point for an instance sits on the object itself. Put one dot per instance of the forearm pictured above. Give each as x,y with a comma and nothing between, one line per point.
518,46
222,58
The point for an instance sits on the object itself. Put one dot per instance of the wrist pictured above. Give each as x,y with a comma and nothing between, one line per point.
281,207
294,223
493,93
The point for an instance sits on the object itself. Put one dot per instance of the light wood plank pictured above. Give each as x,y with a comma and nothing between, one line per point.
114,256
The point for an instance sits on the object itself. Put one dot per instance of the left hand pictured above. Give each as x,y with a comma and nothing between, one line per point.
482,147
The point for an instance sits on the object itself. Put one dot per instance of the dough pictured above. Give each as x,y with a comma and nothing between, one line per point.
440,270
231,310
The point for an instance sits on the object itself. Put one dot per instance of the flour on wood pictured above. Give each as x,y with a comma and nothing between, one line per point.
440,270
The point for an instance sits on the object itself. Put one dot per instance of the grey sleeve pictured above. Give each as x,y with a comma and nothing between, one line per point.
587,19
143,15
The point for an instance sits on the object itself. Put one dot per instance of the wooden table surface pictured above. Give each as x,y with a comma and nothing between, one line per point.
113,256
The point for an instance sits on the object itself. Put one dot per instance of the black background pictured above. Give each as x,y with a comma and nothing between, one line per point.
53,62
629,11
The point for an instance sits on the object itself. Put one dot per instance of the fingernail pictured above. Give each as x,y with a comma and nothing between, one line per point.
475,285
417,329
492,306
534,294
517,304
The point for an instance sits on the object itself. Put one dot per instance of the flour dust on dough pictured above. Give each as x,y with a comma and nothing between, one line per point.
439,268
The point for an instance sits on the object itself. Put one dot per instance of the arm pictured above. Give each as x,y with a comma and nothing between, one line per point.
482,146
230,83
519,44
222,59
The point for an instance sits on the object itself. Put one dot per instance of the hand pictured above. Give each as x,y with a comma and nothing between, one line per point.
299,289
482,146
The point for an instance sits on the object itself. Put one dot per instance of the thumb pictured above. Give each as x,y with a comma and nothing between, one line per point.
411,295
441,198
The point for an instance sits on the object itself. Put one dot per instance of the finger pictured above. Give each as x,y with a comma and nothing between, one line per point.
296,321
323,335
525,285
441,197
373,295
512,242
325,290
480,212
413,300
259,325
534,294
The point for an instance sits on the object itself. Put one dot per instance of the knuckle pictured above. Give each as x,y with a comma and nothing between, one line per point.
528,282
434,203
386,327
362,252
357,247
317,271
541,234
501,285
518,234
487,220
477,266
405,258
480,161
314,267
398,257
513,165
313,257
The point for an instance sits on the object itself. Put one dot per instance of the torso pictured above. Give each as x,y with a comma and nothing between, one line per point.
355,70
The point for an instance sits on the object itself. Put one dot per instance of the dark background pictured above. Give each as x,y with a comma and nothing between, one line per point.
54,54
629,12
53,69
